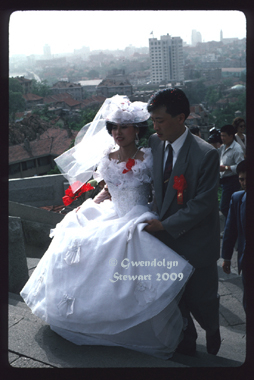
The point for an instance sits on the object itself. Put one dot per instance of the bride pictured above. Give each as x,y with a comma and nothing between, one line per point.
104,280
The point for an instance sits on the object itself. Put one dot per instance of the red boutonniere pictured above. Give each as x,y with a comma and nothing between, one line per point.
129,164
180,185
70,196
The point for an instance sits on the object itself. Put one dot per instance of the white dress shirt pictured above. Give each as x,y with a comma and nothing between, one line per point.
176,146
230,157
241,142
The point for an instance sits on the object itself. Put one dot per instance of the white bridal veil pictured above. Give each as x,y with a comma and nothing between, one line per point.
78,163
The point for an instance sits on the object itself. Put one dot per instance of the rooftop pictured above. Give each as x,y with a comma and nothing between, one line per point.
31,97
54,141
64,84
92,82
114,82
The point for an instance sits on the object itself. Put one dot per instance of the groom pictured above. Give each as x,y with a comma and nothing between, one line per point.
186,176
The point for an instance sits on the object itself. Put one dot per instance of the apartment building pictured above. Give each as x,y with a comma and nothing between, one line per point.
195,37
74,89
116,82
166,59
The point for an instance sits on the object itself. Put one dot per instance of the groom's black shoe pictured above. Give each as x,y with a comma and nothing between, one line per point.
186,347
213,343
186,350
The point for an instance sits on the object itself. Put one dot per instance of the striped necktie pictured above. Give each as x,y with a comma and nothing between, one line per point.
168,168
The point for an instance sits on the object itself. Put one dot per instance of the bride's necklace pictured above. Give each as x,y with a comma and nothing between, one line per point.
120,160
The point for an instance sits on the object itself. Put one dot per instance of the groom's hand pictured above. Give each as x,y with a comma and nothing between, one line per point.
226,266
153,226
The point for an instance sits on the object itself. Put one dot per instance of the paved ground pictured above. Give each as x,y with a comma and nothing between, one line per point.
32,344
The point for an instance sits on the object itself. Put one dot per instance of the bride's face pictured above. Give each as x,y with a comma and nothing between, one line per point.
124,134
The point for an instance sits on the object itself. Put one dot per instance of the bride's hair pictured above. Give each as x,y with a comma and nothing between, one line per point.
143,126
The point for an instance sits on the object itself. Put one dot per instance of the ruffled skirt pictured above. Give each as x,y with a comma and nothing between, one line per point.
106,281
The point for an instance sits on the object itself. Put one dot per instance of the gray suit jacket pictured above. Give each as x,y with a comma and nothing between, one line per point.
191,229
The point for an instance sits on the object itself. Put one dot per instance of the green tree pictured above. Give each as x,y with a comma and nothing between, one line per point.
87,116
92,74
196,92
212,95
40,88
55,170
243,77
16,101
15,86
227,114
16,104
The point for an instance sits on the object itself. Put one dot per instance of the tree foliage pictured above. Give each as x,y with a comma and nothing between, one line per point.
226,115
93,74
16,101
87,116
15,86
40,88
212,96
196,91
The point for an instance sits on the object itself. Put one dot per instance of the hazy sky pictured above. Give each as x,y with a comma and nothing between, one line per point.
65,31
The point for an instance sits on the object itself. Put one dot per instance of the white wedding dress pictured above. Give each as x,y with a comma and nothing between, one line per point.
106,281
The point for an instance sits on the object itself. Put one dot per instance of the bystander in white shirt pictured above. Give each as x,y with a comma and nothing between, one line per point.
230,157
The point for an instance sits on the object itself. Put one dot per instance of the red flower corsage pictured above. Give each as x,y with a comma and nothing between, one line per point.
180,185
129,164
70,196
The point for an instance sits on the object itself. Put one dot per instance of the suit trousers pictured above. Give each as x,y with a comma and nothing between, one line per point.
201,299
229,185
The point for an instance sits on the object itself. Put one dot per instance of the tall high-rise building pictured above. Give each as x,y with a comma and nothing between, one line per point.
195,37
47,51
166,59
221,35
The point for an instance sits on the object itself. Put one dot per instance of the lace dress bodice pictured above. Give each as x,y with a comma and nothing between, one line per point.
125,199
128,189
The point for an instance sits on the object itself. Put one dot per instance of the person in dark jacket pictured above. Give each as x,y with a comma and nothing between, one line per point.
235,228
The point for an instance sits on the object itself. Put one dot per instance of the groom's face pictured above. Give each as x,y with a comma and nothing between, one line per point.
168,128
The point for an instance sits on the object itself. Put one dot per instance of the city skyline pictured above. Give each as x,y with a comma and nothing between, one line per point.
65,31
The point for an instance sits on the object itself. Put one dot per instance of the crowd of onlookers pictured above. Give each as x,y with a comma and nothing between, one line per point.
230,141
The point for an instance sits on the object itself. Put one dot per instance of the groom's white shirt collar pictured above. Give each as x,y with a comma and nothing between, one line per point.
176,146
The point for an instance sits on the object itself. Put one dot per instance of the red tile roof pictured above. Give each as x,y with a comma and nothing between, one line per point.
54,142
72,102
19,115
57,98
193,108
93,99
29,97
193,115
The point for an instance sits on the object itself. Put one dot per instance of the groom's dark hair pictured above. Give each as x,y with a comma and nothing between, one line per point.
173,99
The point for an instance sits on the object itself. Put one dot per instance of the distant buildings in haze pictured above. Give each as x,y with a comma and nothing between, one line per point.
47,51
195,37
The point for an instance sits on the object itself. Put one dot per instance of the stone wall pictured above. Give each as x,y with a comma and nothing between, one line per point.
18,271
38,191
36,225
